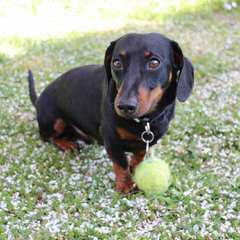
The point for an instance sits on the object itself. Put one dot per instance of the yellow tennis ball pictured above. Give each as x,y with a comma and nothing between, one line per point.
152,176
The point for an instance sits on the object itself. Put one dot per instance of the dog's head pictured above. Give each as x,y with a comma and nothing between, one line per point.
142,67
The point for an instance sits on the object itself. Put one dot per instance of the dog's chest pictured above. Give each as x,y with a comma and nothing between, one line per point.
131,139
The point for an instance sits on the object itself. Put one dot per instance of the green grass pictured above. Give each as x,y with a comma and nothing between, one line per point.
47,194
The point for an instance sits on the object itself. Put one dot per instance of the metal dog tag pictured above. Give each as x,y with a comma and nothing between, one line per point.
147,136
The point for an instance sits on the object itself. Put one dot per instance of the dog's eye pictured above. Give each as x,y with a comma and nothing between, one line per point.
153,63
117,64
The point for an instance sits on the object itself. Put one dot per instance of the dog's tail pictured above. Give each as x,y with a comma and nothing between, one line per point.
31,86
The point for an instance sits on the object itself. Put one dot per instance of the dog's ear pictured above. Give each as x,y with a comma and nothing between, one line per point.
108,58
186,73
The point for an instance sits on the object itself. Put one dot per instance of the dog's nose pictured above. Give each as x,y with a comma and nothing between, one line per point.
128,108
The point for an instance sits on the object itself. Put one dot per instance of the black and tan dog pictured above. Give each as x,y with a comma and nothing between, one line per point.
138,84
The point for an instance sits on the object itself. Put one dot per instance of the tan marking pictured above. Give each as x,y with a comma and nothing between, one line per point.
147,54
126,135
123,182
136,159
148,100
116,100
64,144
170,76
59,126
123,53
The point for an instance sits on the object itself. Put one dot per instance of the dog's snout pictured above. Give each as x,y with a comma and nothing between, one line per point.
128,107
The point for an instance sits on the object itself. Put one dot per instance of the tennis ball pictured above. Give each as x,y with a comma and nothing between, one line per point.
152,176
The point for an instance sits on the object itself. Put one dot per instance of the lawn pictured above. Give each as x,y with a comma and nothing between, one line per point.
48,194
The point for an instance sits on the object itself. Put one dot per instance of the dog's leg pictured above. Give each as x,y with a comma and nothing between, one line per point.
136,159
58,139
123,181
64,144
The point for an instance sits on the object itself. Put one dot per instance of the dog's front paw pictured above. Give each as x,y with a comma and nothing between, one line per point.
123,182
124,186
